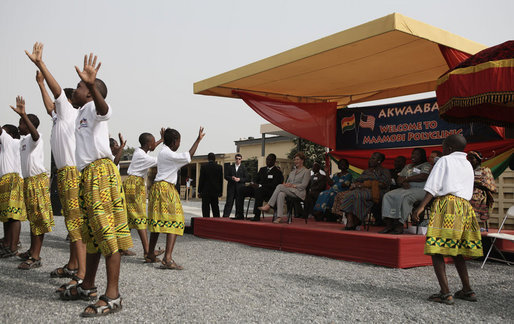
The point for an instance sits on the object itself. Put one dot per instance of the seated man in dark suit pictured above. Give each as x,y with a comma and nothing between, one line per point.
266,180
210,186
317,184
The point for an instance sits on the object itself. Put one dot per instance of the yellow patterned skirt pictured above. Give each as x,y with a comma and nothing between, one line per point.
165,214
68,185
135,195
102,204
12,201
453,228
37,201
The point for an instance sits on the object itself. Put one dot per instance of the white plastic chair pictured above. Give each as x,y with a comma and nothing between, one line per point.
501,236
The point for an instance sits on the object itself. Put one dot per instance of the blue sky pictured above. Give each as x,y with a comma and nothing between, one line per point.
153,51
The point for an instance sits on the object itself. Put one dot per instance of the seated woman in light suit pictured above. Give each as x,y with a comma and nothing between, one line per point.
295,186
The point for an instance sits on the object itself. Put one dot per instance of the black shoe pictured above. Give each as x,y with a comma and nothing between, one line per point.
256,219
386,230
238,218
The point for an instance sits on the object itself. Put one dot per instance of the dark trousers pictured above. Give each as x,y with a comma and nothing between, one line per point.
212,202
309,202
260,194
231,196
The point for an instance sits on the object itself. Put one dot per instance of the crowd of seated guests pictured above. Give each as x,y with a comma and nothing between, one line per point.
391,193
397,204
366,190
339,182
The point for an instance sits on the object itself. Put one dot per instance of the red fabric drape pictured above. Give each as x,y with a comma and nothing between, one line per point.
315,122
452,56
359,158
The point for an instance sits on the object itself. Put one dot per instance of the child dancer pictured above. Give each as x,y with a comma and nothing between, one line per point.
36,185
101,198
165,214
453,229
135,188
12,205
62,142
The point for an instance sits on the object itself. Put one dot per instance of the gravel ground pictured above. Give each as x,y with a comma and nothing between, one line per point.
226,282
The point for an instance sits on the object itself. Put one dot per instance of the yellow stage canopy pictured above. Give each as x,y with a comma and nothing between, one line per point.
388,57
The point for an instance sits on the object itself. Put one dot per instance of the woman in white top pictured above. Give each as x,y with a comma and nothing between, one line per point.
453,229
165,214
12,204
135,188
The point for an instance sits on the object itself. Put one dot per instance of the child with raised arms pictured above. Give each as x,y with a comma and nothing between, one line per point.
165,214
36,185
102,201
62,142
135,188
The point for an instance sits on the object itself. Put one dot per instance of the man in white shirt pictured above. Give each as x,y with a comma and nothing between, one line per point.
453,229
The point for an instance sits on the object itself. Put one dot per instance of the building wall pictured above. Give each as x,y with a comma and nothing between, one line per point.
503,200
280,149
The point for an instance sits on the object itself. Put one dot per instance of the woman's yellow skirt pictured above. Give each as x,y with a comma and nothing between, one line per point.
453,228
12,198
68,179
135,195
102,203
165,214
37,201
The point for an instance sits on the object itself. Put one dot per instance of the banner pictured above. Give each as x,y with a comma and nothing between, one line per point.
404,124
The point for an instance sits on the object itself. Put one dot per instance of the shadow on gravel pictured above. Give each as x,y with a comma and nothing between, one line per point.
408,294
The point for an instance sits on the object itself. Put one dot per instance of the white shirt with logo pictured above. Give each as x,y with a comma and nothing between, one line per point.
10,160
168,164
140,163
92,136
32,156
62,139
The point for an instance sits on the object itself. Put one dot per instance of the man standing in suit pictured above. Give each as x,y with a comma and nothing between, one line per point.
210,186
236,176
266,180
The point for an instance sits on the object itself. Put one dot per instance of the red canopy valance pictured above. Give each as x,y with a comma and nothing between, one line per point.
315,122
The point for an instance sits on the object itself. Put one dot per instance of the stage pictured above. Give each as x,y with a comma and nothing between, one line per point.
320,238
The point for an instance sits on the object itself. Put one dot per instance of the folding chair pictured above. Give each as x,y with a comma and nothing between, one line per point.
502,236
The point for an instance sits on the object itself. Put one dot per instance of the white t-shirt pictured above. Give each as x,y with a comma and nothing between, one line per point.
168,164
62,139
92,136
10,161
452,174
32,156
140,163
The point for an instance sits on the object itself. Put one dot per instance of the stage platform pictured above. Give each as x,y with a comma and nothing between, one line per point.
319,238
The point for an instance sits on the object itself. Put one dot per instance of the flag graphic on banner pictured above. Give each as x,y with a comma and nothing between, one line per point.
348,123
367,121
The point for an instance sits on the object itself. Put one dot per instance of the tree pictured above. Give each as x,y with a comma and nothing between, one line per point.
127,153
313,152
251,167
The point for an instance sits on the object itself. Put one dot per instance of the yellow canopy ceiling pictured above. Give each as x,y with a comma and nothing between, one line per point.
388,57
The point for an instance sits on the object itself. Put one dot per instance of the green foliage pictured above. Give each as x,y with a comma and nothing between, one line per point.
251,165
313,152
127,153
